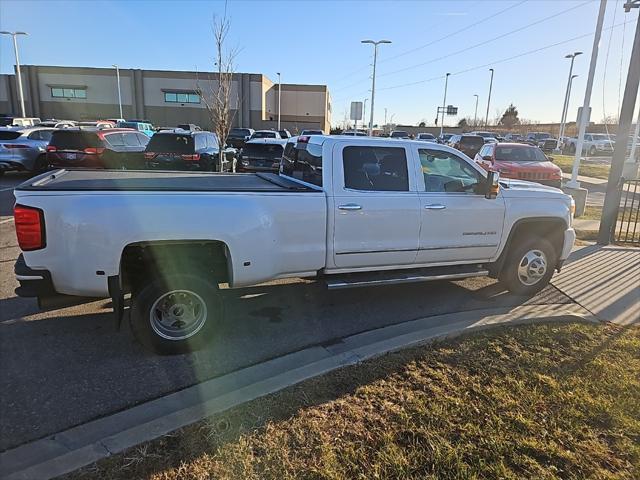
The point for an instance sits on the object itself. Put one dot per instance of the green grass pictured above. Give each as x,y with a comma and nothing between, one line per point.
547,402
565,162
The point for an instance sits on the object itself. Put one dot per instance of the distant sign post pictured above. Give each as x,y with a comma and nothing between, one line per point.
356,112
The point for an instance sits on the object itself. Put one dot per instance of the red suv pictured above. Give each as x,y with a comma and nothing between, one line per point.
520,161
94,148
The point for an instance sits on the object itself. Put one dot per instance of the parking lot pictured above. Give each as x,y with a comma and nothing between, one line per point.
64,367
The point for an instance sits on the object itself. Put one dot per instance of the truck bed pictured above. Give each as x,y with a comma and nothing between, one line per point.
146,180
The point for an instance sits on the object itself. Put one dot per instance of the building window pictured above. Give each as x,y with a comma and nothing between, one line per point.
181,97
59,92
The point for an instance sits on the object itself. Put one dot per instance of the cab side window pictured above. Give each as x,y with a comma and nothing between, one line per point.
375,168
446,172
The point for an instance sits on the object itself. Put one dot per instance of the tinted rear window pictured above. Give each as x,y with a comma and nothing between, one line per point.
269,150
239,132
399,134
4,121
67,140
171,143
265,135
9,135
475,142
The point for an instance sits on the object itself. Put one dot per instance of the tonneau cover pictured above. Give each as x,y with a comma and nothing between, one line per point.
146,180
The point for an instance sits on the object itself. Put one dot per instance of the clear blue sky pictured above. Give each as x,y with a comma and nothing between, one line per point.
319,42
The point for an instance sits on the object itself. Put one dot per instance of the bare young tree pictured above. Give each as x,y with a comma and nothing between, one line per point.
217,97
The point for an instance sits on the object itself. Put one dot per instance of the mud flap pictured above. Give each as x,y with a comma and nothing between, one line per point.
117,298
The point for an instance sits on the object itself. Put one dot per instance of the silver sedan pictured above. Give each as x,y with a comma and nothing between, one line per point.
24,149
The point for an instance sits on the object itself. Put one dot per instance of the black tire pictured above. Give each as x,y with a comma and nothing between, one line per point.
40,166
165,298
572,149
592,151
511,277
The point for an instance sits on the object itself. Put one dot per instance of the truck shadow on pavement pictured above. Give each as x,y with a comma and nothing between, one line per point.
80,367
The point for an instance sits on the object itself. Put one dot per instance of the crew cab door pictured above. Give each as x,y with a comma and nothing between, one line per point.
376,206
457,224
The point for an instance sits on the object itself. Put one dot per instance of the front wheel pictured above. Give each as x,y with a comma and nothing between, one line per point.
529,266
592,152
175,313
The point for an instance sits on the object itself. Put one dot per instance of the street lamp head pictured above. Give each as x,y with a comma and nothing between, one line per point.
491,69
367,41
4,32
448,74
574,76
114,65
20,33
384,41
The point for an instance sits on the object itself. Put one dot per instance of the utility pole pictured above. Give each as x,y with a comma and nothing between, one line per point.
279,95
18,72
486,120
373,81
634,141
119,95
385,119
364,110
565,105
475,115
444,101
613,192
584,118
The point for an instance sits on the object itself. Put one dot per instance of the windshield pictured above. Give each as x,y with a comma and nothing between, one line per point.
519,154
472,141
601,137
239,133
262,150
399,134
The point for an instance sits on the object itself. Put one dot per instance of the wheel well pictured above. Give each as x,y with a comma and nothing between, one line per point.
139,260
551,229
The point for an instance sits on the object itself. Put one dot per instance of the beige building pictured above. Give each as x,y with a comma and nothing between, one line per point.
166,98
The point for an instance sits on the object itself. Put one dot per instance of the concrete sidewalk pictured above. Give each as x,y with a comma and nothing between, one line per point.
605,280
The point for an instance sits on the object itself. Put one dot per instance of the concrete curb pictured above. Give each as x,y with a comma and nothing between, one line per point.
79,446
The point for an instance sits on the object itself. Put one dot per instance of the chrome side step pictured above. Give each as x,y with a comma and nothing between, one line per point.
399,279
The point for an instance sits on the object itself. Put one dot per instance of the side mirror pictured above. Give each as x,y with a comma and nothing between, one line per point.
550,158
488,158
492,185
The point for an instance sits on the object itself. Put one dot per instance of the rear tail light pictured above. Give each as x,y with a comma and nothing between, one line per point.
51,148
149,155
95,150
15,145
194,157
29,222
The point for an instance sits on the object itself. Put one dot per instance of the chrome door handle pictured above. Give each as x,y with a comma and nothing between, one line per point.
349,206
435,206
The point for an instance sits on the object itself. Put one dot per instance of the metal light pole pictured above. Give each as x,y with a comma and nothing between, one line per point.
634,141
364,110
279,95
475,115
486,120
373,83
613,191
565,105
119,95
444,101
385,119
15,50
573,183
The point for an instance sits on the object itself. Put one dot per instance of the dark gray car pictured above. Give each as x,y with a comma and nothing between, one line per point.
24,149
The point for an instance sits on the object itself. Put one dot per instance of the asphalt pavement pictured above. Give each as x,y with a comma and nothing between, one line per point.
64,367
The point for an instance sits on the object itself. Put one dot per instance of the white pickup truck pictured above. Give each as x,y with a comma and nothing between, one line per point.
349,211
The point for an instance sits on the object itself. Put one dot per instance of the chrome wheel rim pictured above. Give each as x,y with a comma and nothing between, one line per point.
533,267
178,314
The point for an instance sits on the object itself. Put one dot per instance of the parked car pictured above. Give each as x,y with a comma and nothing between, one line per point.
520,161
188,150
311,132
265,134
336,212
97,124
426,137
594,144
353,133
444,138
513,137
112,148
142,127
237,136
19,121
487,136
191,127
467,143
115,121
533,138
24,149
399,134
284,133
53,123
261,155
